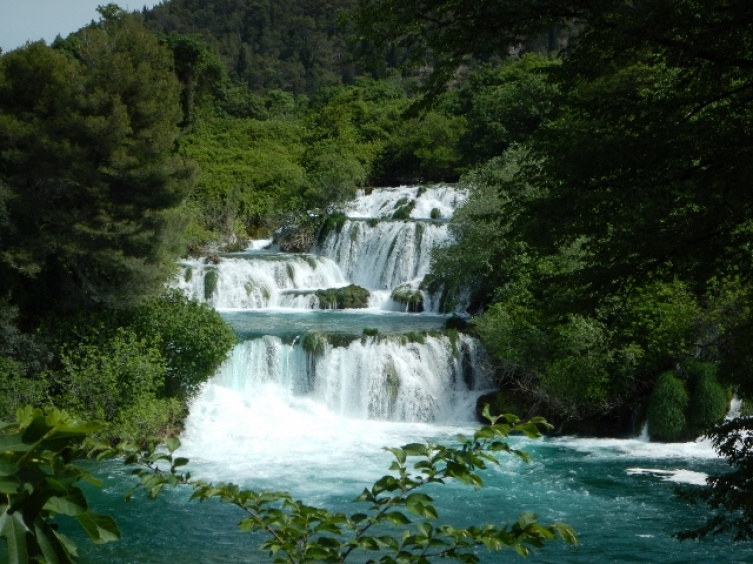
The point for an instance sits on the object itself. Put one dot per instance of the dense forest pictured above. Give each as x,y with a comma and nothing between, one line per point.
606,148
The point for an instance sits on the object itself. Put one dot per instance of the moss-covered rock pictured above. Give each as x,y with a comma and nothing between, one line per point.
333,222
403,209
348,297
411,298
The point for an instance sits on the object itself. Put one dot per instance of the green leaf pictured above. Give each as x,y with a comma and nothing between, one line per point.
72,504
53,550
180,461
13,529
100,528
172,444
14,443
36,430
415,449
426,529
7,468
9,484
396,518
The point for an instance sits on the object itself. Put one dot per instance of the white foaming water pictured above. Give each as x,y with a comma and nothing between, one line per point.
676,476
273,401
254,282
636,448
386,254
382,203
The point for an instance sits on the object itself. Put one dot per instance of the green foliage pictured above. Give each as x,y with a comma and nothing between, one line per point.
370,332
663,319
726,494
709,401
100,377
90,167
487,257
314,343
192,338
396,520
347,297
38,481
285,45
504,104
424,148
414,337
333,222
211,276
667,409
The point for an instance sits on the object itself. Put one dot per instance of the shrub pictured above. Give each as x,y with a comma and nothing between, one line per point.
709,400
370,332
435,213
314,343
193,339
210,283
666,409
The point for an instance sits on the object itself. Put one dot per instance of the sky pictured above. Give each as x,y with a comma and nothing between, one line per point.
31,20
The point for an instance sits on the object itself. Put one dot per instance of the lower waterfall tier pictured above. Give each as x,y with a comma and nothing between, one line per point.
416,378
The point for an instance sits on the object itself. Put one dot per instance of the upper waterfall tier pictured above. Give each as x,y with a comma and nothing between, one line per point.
385,254
384,247
437,202
260,280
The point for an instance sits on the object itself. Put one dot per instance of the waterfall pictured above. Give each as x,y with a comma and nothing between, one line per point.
385,254
386,360
367,378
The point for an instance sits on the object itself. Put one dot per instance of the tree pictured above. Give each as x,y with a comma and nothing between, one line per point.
88,168
644,168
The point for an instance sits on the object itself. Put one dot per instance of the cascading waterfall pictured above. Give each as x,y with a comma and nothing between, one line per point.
308,400
386,254
377,363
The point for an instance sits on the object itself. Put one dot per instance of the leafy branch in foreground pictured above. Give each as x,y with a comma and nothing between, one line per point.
397,518
38,481
727,494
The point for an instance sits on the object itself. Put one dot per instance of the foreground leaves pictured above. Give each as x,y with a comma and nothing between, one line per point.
38,480
397,523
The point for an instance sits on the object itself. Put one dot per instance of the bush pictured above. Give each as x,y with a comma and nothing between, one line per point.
193,339
100,378
709,401
666,409
210,283
314,343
